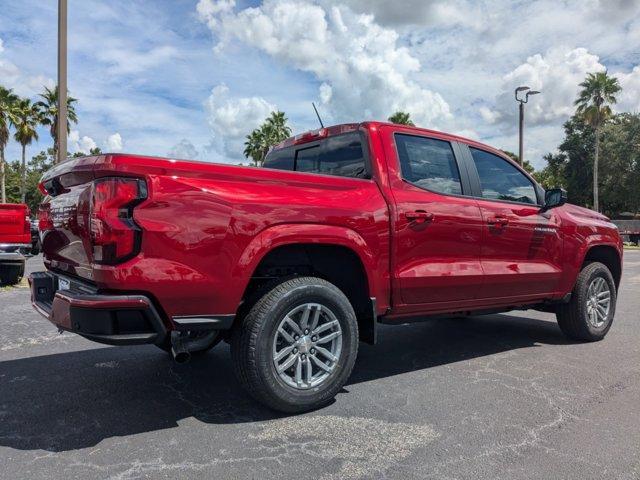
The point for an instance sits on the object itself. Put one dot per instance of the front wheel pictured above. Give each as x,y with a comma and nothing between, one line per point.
296,347
589,314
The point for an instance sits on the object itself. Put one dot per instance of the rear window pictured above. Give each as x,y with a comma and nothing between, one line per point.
341,155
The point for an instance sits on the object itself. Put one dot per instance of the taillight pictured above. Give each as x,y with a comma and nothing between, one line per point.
114,234
45,222
27,222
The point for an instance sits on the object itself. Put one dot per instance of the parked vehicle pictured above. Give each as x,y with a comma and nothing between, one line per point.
35,238
294,264
629,229
15,235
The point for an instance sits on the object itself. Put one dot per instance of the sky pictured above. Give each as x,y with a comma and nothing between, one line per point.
189,78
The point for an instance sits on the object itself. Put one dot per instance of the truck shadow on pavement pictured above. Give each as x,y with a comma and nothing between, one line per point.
75,400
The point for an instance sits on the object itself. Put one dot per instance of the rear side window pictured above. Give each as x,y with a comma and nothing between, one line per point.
429,163
342,155
499,180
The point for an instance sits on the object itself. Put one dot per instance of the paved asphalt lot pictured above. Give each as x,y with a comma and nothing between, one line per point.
503,396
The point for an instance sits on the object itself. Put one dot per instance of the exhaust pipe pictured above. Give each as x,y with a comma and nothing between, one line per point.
178,350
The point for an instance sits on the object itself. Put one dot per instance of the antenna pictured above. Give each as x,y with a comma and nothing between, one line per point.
318,115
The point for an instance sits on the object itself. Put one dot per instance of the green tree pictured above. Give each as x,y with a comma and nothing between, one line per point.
7,103
49,108
594,106
273,131
26,118
401,118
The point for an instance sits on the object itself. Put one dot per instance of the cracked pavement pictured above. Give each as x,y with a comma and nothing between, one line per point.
496,397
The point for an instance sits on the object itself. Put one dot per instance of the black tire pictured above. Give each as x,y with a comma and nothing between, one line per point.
11,274
252,344
573,318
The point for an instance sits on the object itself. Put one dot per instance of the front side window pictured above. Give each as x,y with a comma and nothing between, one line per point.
499,180
428,163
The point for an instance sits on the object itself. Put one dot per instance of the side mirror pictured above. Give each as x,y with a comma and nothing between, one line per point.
554,198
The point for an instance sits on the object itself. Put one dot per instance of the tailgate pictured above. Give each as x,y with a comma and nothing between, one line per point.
14,224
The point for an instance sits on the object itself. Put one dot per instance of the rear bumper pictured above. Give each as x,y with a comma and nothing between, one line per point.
110,319
13,258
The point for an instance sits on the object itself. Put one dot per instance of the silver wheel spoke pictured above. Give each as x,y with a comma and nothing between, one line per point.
304,320
598,302
329,337
316,317
283,353
309,370
325,327
288,364
294,326
327,353
299,372
286,336
320,364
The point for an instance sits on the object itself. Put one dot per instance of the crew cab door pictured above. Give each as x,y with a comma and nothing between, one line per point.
521,245
436,228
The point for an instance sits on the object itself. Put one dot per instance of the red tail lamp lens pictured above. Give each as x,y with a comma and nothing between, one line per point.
114,234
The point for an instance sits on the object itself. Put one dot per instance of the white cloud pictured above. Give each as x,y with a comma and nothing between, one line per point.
114,143
82,144
184,149
231,119
629,98
557,74
363,70
23,84
125,61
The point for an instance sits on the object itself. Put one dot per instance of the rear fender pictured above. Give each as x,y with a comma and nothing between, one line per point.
291,234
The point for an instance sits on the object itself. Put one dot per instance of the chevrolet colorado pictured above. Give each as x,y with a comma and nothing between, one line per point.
295,263
15,237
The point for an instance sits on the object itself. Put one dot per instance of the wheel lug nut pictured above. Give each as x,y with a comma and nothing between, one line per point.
306,332
313,350
296,337
314,338
295,350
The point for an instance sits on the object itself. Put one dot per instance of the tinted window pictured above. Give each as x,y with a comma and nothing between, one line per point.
281,159
500,180
428,163
341,155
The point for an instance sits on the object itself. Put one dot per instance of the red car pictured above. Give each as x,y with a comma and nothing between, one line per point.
15,237
295,263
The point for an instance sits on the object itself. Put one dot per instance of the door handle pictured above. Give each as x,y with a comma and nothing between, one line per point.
498,221
419,216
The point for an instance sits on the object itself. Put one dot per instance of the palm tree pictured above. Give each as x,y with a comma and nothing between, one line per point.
594,106
273,131
7,102
26,118
401,118
49,107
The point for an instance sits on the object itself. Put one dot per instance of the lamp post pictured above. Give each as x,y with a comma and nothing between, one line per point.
522,101
62,81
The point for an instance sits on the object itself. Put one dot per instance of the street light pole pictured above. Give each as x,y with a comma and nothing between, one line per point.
62,81
522,101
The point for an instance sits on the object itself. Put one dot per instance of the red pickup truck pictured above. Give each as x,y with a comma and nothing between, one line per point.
295,263
15,237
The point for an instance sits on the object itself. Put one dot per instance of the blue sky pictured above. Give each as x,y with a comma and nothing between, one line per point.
190,78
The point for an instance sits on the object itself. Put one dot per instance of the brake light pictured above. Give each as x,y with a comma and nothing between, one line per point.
115,237
27,222
45,223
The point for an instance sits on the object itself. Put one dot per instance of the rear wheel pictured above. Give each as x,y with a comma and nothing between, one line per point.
11,274
296,347
589,314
